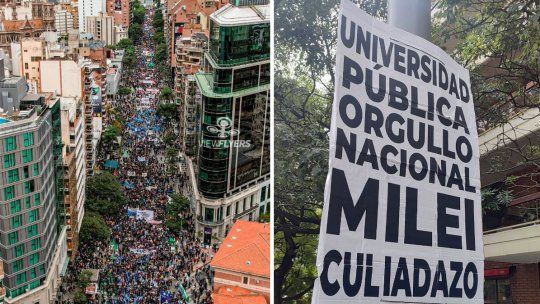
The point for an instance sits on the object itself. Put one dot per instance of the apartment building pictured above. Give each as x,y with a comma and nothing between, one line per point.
102,28
63,20
33,235
87,8
232,177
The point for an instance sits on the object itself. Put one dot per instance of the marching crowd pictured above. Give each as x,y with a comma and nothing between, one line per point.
144,262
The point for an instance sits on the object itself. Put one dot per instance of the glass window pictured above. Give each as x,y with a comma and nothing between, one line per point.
263,193
26,173
33,273
209,214
497,291
33,215
21,278
32,231
13,176
37,199
18,265
16,221
28,202
15,206
13,237
9,160
27,155
36,169
35,244
11,143
34,259
9,192
228,210
28,139
19,250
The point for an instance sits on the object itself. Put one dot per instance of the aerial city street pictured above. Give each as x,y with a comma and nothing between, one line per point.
136,146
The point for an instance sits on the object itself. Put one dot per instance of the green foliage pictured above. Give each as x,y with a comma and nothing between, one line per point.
79,297
166,93
135,31
139,13
104,194
124,44
162,52
110,134
178,205
93,228
84,278
123,90
169,138
168,110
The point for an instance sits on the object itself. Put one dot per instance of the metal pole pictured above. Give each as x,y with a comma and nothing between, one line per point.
414,16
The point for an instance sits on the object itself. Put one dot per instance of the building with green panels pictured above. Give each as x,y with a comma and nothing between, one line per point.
31,225
234,150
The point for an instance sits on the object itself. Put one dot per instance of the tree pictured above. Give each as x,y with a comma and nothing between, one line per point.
162,52
79,297
168,111
104,194
124,44
84,278
166,93
123,90
110,134
175,209
135,31
93,228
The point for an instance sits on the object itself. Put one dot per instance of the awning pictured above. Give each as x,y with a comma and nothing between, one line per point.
499,273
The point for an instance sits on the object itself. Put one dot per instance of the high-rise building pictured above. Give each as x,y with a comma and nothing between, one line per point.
101,27
74,157
32,234
87,8
232,178
32,52
63,20
121,11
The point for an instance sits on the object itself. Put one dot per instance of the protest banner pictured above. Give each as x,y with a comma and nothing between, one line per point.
402,218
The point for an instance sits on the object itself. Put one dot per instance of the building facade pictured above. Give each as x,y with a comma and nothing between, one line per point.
102,28
233,168
63,20
87,8
32,230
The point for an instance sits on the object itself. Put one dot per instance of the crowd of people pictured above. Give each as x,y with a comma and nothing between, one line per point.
144,262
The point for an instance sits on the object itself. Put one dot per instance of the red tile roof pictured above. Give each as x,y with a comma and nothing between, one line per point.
236,295
246,249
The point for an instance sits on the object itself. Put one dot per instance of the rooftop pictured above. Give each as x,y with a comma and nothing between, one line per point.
230,15
236,295
246,249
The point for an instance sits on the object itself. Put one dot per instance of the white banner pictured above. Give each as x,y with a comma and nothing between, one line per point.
402,219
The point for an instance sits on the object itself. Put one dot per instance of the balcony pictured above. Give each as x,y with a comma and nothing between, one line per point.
207,222
513,235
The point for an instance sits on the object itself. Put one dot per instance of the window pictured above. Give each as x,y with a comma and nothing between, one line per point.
21,278
35,244
28,202
26,173
244,205
209,214
29,186
263,193
13,176
27,155
33,215
36,169
33,274
18,265
11,143
32,231
19,250
245,280
9,160
9,192
220,214
13,237
28,139
16,221
37,199
497,291
228,210
15,206
236,208
34,259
